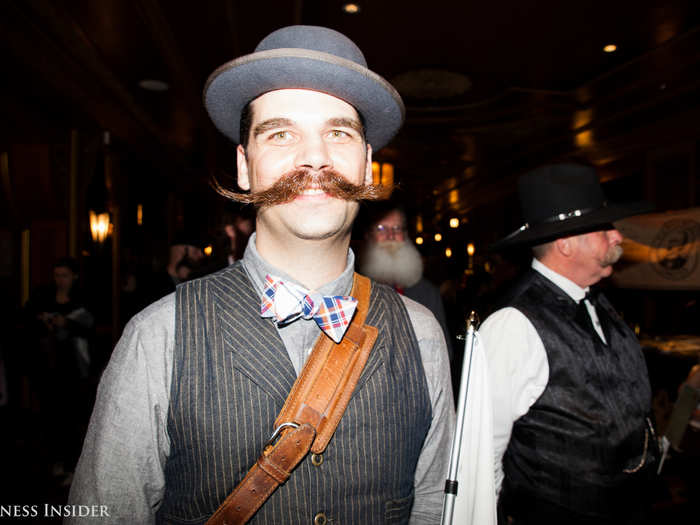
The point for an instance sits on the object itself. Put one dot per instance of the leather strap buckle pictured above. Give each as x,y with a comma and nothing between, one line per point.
278,430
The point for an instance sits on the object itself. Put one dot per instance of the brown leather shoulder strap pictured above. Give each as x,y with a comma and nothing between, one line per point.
310,414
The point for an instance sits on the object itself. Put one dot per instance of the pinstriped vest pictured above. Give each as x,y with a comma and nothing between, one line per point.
231,375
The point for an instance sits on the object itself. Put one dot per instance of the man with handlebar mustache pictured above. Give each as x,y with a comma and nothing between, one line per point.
190,396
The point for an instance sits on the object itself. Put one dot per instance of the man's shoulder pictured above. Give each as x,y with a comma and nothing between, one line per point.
157,313
415,309
515,290
227,272
423,320
506,318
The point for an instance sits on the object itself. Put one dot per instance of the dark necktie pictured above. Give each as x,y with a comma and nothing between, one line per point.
593,297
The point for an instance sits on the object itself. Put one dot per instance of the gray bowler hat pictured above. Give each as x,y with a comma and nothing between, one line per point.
304,57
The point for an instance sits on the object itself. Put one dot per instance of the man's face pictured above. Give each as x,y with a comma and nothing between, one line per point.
63,277
391,227
302,129
595,254
193,253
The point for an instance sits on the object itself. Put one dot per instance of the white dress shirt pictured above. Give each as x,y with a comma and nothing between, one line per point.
517,363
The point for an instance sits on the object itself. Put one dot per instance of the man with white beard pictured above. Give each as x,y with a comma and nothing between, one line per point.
391,258
573,441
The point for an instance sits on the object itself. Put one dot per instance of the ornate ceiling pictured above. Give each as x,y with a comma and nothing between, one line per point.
491,88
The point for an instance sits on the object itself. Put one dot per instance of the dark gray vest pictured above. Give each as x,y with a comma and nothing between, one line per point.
573,444
231,375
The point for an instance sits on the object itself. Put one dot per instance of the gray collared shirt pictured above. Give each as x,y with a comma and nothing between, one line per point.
127,443
298,337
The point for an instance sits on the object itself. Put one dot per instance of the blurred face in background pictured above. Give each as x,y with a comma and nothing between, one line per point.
64,278
389,257
392,227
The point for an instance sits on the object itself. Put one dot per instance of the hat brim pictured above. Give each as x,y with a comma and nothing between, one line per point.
591,221
236,83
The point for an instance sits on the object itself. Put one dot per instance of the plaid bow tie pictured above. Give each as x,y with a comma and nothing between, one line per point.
287,302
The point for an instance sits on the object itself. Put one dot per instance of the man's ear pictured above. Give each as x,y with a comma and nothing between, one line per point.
368,166
242,163
565,246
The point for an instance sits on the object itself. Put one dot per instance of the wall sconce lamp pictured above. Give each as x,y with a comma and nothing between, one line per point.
382,174
470,261
100,226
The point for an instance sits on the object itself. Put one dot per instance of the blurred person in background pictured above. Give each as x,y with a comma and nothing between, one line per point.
184,257
61,325
234,228
389,256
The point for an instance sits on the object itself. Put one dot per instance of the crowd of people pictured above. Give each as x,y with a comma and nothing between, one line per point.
185,425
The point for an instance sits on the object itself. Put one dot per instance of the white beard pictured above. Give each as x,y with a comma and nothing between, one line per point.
392,262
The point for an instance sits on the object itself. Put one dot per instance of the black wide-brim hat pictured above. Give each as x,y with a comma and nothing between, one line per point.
560,200
305,57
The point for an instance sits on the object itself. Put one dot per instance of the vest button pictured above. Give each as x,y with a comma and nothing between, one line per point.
320,519
317,459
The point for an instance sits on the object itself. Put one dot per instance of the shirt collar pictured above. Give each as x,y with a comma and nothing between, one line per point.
571,289
258,268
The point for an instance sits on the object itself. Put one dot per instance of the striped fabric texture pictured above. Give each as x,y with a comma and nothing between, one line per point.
231,376
287,302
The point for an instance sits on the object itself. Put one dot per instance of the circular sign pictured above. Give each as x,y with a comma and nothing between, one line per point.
673,253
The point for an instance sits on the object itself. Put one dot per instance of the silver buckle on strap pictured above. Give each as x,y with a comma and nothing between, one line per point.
279,429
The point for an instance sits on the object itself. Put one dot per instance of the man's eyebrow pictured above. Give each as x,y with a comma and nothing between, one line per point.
269,124
347,123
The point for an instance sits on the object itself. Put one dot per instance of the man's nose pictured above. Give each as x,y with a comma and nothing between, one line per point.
313,153
614,236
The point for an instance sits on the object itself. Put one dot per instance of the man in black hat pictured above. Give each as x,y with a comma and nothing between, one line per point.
189,399
571,396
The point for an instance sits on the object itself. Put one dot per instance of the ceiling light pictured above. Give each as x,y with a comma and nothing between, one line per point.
351,8
454,222
610,48
438,237
150,84
419,240
470,248
448,252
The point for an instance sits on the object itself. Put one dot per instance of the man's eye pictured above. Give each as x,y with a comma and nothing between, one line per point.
339,134
281,136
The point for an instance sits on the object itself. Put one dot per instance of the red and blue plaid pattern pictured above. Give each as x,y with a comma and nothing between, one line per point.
287,302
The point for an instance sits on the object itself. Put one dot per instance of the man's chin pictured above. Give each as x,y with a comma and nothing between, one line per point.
321,227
